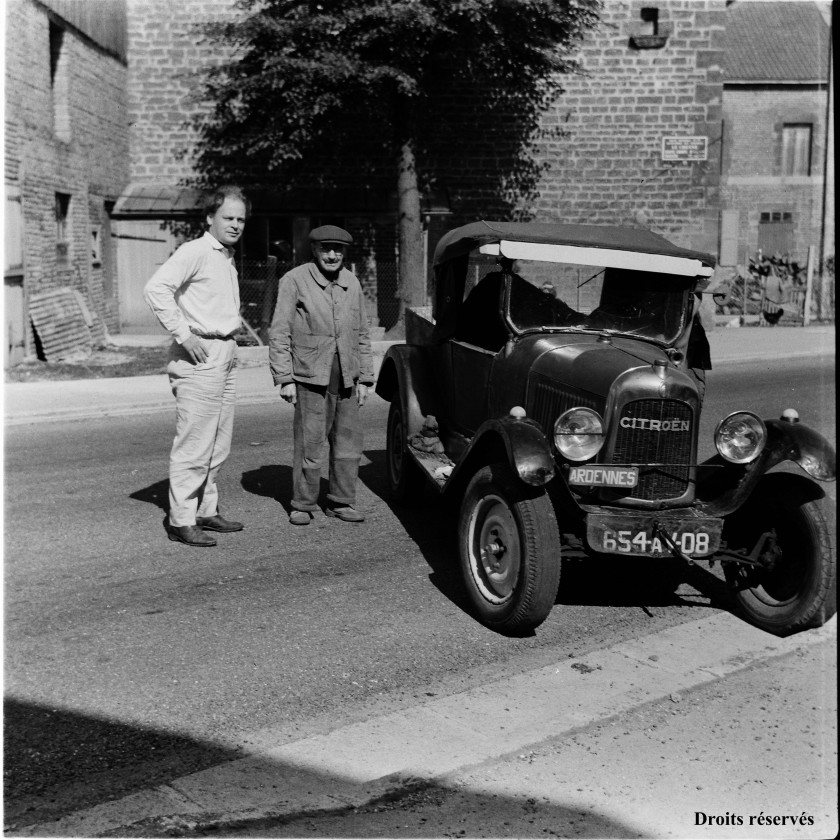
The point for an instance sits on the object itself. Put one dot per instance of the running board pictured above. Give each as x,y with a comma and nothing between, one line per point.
436,466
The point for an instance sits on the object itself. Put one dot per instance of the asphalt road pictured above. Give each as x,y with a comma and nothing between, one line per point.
131,659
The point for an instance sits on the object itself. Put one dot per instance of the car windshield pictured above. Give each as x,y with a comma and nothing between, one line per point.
548,296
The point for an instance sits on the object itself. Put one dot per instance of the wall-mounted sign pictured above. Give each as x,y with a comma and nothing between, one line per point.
684,148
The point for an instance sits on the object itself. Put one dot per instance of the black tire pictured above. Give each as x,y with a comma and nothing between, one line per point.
405,479
512,589
799,591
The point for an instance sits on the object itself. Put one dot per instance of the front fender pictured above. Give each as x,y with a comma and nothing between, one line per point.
520,441
804,446
405,371
722,487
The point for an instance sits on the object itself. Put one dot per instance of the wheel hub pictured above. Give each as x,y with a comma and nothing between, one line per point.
491,555
496,549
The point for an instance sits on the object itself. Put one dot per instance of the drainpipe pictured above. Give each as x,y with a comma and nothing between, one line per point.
827,233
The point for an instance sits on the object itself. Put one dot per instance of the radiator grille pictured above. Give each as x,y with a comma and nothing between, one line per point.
643,445
549,401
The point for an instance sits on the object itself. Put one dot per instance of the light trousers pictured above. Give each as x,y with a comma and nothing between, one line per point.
205,396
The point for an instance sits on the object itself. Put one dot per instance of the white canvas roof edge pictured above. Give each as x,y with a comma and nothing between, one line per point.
602,257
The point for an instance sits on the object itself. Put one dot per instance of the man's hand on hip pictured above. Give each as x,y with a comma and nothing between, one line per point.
361,393
289,392
195,349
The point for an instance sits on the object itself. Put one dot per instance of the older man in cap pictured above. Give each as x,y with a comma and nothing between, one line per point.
320,356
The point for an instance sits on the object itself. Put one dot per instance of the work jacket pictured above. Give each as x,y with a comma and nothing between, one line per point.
314,319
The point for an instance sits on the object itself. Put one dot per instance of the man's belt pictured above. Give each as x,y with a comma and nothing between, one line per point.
213,337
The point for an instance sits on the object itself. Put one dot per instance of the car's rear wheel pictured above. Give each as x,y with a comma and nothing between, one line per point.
509,550
797,587
405,480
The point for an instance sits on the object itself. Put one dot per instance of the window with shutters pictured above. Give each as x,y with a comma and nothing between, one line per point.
13,233
60,83
796,149
775,232
730,237
62,226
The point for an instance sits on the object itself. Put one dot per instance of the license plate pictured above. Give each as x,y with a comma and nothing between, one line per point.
598,476
695,537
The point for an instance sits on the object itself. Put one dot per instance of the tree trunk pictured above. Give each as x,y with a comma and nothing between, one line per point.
411,285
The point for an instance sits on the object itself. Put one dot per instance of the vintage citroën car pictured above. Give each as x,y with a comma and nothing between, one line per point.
547,392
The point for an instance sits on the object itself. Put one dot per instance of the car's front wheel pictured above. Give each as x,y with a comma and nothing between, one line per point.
405,480
509,550
796,587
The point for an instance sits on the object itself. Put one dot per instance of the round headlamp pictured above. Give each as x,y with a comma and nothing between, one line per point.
740,437
579,434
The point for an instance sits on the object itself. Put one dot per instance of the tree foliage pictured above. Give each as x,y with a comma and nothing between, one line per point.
333,90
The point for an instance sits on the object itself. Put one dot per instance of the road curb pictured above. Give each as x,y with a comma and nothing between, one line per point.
362,762
68,413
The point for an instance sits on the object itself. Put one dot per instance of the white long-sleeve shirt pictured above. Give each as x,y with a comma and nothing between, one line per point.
196,291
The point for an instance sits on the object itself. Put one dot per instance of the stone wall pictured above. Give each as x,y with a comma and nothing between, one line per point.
68,136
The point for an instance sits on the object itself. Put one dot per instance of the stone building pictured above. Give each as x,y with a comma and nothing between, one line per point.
775,196
66,164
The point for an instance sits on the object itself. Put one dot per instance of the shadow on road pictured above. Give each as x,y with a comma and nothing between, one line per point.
431,524
154,494
58,761
595,581
639,582
423,809
272,481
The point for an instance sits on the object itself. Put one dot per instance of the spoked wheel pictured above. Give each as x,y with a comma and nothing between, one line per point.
405,479
796,587
509,550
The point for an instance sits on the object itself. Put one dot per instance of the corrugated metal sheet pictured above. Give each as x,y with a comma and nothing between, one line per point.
157,201
103,21
60,323
776,42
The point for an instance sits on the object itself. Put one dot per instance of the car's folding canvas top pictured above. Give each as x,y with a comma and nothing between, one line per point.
618,247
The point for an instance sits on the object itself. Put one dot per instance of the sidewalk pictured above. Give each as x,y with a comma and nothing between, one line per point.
712,717
37,402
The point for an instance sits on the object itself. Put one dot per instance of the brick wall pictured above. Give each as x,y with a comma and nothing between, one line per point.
754,184
601,162
78,146
609,169
606,169
165,51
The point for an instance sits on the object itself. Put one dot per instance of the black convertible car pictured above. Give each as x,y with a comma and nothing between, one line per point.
547,390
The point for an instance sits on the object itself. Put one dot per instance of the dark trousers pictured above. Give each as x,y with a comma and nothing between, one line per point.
326,415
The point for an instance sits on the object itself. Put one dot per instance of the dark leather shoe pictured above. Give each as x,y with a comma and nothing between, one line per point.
345,514
218,523
190,534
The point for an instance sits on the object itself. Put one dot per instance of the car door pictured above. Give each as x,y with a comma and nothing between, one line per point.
471,369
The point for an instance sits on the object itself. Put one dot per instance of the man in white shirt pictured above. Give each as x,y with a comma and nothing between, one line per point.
195,295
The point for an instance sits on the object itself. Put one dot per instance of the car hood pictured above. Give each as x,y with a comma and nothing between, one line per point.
585,365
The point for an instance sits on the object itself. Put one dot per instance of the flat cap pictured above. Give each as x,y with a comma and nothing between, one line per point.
330,233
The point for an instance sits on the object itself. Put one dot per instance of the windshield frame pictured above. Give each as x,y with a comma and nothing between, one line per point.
667,338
